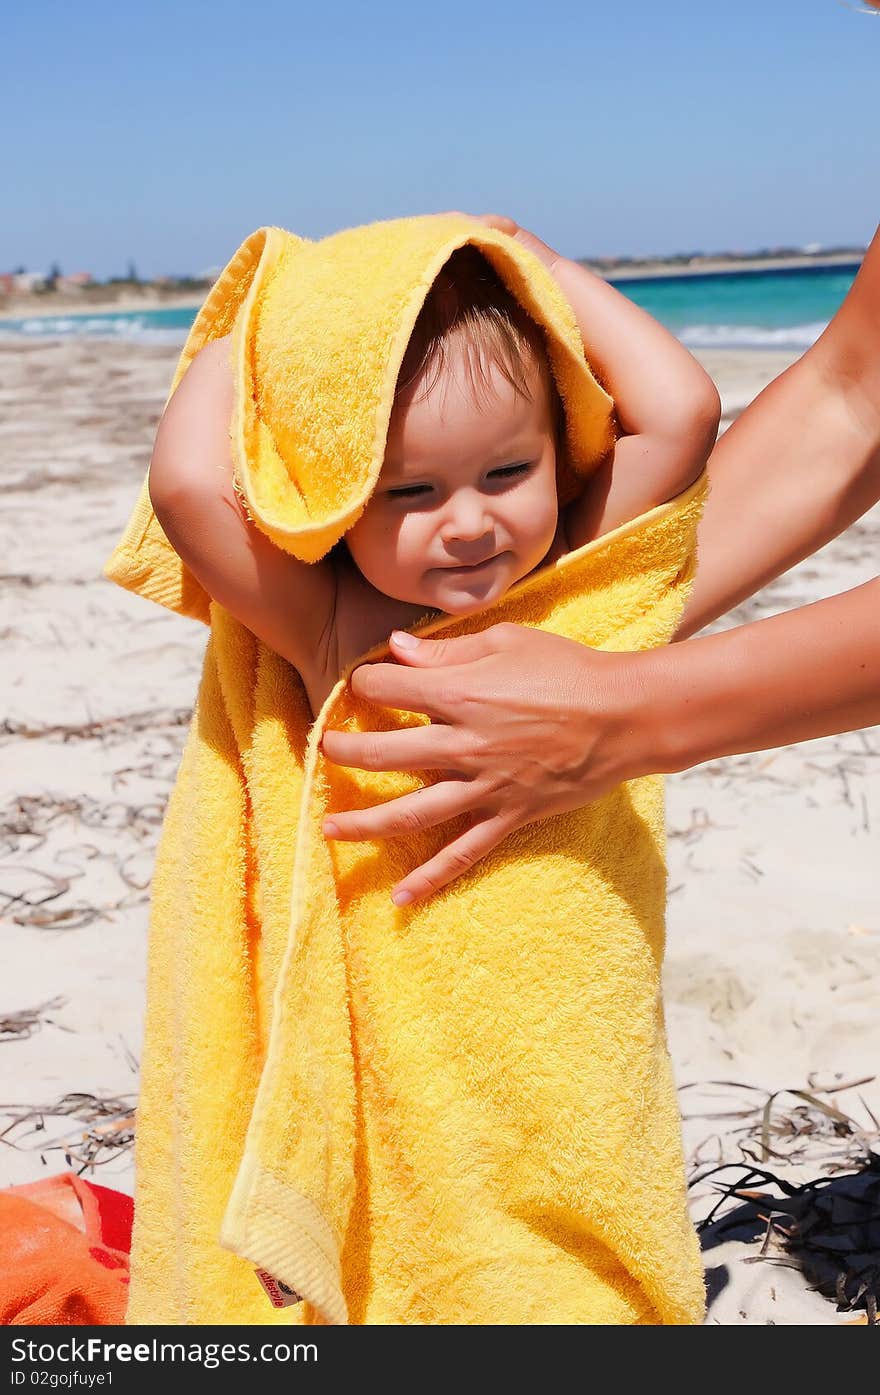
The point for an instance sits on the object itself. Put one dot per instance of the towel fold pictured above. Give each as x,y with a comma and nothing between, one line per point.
457,1112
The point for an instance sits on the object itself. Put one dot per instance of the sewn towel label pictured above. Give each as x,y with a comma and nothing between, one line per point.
279,1295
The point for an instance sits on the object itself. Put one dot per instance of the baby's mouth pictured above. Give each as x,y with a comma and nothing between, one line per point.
474,566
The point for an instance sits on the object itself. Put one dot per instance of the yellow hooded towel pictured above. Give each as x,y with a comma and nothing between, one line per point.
460,1111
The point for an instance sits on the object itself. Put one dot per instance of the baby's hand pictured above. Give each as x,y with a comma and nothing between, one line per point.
544,253
503,224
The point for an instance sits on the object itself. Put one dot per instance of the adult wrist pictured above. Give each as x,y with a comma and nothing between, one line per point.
627,717
707,698
665,722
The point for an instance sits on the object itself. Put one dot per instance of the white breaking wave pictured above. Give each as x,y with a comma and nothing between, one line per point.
750,336
91,327
141,329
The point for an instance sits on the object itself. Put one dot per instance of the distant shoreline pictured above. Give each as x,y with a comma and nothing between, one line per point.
21,308
722,266
51,303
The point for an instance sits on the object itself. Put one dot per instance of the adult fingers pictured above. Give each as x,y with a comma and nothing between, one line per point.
411,813
428,652
437,747
454,860
398,685
393,685
436,694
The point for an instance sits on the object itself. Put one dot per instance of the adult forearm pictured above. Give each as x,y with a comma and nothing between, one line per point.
807,673
796,470
800,464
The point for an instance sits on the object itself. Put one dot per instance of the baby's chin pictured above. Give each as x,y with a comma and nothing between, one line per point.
467,597
456,592
462,608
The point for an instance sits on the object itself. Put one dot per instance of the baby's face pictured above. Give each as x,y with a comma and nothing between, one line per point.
466,503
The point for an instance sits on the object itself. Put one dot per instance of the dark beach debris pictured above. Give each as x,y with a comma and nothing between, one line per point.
110,1128
33,816
829,1227
20,1025
700,823
107,726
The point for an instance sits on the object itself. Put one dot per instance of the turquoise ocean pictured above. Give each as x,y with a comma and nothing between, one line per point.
742,309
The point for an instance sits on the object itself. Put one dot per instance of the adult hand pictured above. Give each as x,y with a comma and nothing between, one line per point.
524,724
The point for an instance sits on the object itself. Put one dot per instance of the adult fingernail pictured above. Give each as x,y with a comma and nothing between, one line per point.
404,639
402,898
329,828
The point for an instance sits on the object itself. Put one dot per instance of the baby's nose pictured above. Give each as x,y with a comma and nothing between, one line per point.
468,520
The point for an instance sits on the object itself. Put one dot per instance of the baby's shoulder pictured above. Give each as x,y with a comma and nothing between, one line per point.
365,617
358,619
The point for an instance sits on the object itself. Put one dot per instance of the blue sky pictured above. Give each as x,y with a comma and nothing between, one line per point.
165,132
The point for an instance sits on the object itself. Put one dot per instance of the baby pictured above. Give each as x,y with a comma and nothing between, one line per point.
468,1098
467,503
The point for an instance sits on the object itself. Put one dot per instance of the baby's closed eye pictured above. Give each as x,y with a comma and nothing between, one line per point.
500,474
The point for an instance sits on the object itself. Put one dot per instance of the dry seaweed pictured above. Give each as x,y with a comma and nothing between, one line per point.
110,1131
21,1025
35,896
107,726
771,1126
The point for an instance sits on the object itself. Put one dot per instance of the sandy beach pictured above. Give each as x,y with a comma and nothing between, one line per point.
772,972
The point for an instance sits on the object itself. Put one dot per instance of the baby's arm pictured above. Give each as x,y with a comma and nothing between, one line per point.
667,406
287,603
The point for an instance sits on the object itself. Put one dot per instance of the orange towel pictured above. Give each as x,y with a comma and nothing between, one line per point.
65,1244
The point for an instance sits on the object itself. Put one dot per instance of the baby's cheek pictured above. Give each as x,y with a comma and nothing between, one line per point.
372,540
537,516
412,545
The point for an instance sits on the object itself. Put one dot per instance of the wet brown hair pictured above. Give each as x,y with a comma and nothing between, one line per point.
469,308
